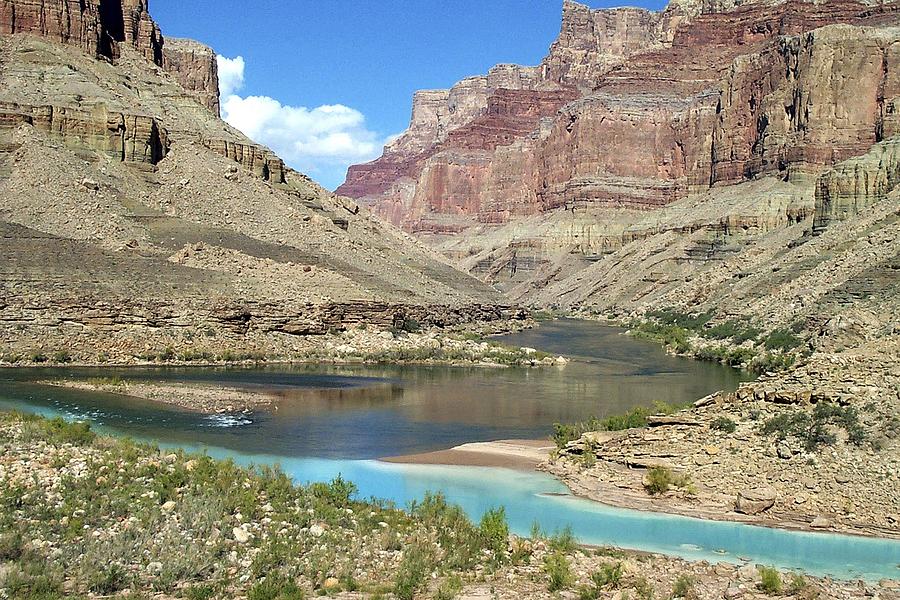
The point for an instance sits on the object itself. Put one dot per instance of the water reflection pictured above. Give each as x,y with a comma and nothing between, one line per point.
362,412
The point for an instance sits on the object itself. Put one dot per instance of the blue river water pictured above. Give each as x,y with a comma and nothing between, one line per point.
414,399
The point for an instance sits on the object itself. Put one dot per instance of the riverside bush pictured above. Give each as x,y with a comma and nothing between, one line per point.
812,430
494,533
782,339
413,570
770,581
659,480
559,571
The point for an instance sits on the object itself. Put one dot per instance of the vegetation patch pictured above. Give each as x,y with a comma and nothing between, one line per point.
817,429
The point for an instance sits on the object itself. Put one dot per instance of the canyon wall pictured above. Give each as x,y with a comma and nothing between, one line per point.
636,109
101,27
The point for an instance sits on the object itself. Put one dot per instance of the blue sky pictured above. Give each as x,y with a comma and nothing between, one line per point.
325,83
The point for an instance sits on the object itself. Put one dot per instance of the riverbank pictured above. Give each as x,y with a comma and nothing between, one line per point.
459,345
813,448
522,455
95,517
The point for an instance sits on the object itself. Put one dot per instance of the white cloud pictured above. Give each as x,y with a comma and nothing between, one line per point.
231,75
321,141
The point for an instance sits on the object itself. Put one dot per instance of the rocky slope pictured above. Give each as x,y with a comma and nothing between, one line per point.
134,220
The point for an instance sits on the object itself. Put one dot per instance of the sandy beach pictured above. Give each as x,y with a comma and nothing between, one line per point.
523,455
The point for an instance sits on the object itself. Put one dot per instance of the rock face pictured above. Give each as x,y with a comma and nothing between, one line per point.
636,109
101,27
128,138
194,66
135,220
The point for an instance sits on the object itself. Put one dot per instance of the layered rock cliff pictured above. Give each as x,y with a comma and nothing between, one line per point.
100,28
639,109
135,220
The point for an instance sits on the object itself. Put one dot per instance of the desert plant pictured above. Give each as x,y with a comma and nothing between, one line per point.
723,424
558,570
770,580
659,480
412,572
684,587
494,533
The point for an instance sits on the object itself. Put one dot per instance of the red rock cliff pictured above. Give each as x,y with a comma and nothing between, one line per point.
100,27
637,109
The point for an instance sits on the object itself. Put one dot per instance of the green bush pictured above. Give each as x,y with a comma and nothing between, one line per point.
609,576
108,579
338,492
60,431
723,424
62,356
813,430
680,319
659,480
797,584
200,592
449,588
563,540
11,547
558,570
414,568
770,580
494,533
782,339
684,587
275,587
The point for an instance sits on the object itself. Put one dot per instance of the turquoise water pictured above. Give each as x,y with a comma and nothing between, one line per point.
333,420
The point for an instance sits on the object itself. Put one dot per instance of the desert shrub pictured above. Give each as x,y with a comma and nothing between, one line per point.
642,588
680,319
108,579
275,587
609,576
32,579
60,431
672,336
11,547
558,570
770,580
723,424
449,588
411,574
813,429
199,592
659,480
633,419
37,357
797,584
494,533
461,540
62,356
782,339
563,540
337,493
684,587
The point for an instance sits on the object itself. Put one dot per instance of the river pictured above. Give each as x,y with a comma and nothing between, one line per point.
329,420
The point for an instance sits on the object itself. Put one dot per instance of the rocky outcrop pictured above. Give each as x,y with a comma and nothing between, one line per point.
95,26
194,66
130,138
648,108
99,28
256,159
854,185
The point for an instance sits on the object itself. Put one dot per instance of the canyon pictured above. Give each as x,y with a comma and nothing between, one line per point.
136,223
711,127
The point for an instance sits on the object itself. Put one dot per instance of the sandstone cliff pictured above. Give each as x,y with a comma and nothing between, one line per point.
134,220
101,29
638,109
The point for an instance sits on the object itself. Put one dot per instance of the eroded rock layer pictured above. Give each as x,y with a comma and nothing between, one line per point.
134,220
637,109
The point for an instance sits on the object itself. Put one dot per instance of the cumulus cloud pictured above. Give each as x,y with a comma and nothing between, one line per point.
231,75
321,141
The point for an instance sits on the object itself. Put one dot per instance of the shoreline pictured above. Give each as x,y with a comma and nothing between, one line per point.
533,456
518,455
